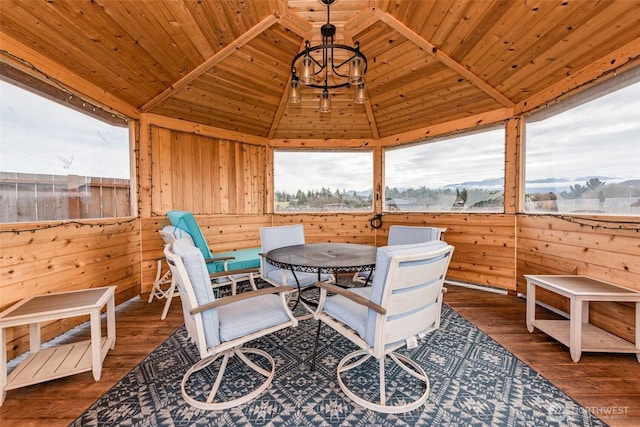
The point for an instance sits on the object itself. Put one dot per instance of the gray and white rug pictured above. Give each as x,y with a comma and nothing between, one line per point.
474,382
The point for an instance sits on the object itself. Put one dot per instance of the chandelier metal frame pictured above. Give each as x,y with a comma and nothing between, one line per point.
357,66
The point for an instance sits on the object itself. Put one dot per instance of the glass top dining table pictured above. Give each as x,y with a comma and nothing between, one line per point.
332,258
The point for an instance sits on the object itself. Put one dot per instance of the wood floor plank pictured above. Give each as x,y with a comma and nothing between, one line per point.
607,384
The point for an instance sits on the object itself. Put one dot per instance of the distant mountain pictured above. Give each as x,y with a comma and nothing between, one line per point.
538,185
563,180
490,182
365,193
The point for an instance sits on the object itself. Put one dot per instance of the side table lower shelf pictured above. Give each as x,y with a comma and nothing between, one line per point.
593,338
577,333
56,362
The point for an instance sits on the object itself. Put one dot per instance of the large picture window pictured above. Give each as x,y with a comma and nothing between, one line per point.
583,155
460,173
57,163
323,181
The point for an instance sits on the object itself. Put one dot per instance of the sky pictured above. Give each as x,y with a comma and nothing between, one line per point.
473,157
37,136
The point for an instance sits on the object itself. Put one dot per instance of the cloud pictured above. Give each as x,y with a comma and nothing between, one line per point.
36,134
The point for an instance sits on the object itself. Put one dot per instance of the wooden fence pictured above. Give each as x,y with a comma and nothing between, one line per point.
38,197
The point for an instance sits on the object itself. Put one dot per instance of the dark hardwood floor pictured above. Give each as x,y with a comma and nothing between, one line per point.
607,384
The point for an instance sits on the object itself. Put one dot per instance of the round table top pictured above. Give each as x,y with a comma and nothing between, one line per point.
326,257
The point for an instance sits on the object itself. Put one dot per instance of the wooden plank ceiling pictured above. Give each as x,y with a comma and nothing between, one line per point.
226,63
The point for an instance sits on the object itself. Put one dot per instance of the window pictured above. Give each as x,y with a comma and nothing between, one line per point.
323,181
57,163
460,173
584,157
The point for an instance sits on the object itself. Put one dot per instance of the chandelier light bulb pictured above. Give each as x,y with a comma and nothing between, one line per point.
307,72
294,91
361,94
356,70
325,102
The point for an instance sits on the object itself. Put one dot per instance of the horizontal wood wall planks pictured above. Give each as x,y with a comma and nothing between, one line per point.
605,251
61,257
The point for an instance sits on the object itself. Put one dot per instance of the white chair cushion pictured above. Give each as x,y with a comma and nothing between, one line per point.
199,276
278,237
348,312
409,234
383,261
305,279
178,233
251,315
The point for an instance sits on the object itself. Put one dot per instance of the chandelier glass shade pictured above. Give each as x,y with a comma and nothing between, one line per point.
328,66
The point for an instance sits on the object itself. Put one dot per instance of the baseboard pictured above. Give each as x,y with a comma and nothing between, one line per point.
478,287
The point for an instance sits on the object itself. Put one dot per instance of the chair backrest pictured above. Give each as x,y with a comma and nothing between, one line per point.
409,234
187,222
192,280
278,237
170,234
408,283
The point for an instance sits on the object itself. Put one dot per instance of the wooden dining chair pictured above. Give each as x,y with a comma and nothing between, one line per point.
403,304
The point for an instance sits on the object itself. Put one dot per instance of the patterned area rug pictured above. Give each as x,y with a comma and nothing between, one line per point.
474,382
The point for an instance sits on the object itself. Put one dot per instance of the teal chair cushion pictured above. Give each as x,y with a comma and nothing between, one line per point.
244,258
186,221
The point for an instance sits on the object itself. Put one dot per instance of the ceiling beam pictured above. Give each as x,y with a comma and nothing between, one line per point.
212,61
34,64
284,99
618,60
363,20
443,58
470,122
293,21
202,129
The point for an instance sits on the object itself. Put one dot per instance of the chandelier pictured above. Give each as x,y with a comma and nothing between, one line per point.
330,73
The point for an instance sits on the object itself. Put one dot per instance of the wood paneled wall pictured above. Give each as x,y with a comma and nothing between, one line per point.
39,258
206,175
484,254
485,251
485,244
608,251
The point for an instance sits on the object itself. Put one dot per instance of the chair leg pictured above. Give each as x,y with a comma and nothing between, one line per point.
170,293
210,403
315,347
252,281
404,362
161,279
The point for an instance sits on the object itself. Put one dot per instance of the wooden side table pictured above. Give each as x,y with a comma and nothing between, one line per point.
577,333
58,361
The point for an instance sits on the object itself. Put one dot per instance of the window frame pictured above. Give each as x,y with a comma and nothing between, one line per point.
564,104
369,150
81,105
500,125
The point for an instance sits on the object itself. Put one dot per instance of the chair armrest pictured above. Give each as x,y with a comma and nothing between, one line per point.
353,297
227,273
239,297
222,258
